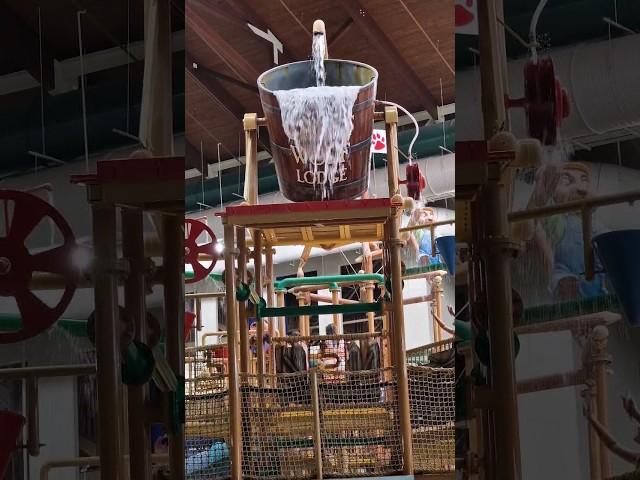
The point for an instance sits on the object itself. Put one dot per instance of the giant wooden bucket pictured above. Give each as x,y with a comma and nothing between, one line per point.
296,181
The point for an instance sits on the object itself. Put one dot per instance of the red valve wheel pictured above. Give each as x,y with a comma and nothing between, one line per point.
545,101
21,213
415,181
193,229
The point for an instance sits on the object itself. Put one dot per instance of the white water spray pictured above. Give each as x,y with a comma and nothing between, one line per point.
319,121
318,50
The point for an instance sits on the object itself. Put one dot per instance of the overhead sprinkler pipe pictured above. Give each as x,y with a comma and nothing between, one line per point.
533,35
413,119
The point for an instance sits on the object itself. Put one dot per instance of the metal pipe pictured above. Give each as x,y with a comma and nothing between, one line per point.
427,225
400,358
234,386
575,206
205,295
314,297
158,458
173,293
325,280
107,344
211,334
134,304
42,372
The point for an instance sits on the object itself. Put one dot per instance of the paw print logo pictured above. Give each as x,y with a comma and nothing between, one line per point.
378,141
464,12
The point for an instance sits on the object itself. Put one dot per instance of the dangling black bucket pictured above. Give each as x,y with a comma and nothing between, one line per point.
296,181
619,253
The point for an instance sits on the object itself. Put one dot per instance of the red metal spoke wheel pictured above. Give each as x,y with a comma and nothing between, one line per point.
547,103
20,214
193,229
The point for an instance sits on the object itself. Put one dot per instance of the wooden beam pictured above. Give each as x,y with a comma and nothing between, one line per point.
222,97
193,158
25,46
376,37
190,60
341,32
216,91
199,19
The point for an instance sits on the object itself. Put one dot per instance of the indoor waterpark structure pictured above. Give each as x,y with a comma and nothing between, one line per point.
245,268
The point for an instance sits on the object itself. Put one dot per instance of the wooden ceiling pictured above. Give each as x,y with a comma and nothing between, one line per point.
410,43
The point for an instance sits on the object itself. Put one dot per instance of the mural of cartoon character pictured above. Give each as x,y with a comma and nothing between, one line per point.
420,240
560,236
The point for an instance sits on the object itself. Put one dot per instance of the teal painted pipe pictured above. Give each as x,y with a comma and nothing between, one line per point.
305,281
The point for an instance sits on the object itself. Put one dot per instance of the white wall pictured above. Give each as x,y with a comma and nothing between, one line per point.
552,425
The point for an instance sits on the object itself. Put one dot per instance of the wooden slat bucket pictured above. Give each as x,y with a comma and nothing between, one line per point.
297,181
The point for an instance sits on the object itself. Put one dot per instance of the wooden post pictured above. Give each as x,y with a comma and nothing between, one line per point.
282,324
134,304
243,325
33,420
107,344
393,167
589,395
250,124
257,262
399,355
270,302
436,295
317,439
173,270
600,360
497,253
303,319
337,317
234,381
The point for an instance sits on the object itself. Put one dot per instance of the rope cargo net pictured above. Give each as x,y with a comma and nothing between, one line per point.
359,424
207,427
432,408
357,413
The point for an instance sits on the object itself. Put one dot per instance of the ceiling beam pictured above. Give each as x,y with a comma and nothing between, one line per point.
376,37
25,46
215,90
198,19
193,159
221,76
340,32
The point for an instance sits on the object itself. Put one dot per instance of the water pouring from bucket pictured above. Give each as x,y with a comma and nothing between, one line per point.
319,115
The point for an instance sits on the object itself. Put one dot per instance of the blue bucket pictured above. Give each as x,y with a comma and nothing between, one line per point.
447,249
619,253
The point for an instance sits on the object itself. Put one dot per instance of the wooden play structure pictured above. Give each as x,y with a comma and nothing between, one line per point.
318,406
